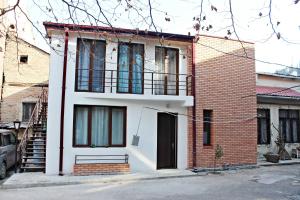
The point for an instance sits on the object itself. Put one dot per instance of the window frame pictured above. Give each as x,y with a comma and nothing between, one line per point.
268,121
31,102
21,58
90,81
210,127
89,127
290,121
177,69
130,44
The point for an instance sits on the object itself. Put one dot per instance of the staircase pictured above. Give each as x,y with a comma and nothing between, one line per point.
32,147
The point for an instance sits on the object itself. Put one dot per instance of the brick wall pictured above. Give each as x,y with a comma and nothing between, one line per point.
103,168
222,82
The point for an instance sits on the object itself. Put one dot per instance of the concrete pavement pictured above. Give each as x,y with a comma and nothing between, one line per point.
264,183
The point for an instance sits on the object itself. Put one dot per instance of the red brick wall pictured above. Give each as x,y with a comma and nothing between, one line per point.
222,82
103,168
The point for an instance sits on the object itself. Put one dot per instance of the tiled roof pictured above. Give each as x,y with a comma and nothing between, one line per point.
277,91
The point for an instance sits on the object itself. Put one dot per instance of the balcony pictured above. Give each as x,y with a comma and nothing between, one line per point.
147,85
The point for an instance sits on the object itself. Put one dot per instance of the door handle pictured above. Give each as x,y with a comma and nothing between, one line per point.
173,145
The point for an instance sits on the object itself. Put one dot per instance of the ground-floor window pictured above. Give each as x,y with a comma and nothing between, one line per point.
289,125
263,126
99,126
207,119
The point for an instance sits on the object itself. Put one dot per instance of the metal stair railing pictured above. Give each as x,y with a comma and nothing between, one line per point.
35,118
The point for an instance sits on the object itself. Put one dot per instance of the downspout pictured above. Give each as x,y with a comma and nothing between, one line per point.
194,138
62,108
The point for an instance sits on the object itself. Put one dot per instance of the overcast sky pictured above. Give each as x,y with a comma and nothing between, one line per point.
249,25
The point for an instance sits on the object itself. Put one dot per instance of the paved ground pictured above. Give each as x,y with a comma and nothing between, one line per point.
10,172
276,182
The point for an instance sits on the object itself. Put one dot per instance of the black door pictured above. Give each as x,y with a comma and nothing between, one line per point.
166,141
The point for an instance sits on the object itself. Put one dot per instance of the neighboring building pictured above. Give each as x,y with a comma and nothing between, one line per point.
278,99
24,67
25,74
109,86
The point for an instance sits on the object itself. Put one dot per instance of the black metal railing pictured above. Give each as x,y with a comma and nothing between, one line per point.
133,82
100,159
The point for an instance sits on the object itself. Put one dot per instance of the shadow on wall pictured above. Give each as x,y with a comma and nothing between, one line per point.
225,84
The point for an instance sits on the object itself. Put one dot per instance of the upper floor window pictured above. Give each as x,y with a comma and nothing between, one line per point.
24,59
90,65
167,67
289,125
27,109
263,126
130,68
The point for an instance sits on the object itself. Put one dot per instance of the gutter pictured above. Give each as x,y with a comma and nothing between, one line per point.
62,108
194,151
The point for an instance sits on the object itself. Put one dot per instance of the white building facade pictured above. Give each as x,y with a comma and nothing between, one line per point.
278,107
117,85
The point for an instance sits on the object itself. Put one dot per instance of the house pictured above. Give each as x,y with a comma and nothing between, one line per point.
25,75
278,106
125,100
24,69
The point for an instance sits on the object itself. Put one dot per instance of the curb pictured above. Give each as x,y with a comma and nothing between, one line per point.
34,185
278,164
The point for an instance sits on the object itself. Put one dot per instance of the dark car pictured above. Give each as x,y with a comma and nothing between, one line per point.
7,151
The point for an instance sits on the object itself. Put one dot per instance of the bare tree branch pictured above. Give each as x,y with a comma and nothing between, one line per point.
4,11
151,16
234,30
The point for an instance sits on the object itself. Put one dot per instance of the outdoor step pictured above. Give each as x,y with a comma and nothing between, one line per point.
36,149
33,167
35,152
36,144
36,140
31,157
37,137
31,162
40,130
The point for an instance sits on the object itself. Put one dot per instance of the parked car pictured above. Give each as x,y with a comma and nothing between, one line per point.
7,151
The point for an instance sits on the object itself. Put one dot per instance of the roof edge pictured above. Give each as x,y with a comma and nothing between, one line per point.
77,27
219,37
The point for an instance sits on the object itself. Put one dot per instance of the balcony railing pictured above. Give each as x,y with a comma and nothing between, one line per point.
116,81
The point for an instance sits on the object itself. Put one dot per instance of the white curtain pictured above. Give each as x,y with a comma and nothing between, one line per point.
172,71
98,68
100,126
137,68
117,126
83,65
81,128
123,71
160,69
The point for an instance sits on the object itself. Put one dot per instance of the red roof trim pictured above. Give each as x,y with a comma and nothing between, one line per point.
77,27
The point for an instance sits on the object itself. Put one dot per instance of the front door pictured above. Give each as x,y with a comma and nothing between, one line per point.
166,141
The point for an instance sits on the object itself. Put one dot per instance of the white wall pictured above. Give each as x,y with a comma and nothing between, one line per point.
274,118
142,157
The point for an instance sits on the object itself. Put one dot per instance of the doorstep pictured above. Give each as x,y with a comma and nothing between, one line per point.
264,163
38,179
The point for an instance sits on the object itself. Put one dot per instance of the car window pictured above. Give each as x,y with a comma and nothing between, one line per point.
6,140
0,139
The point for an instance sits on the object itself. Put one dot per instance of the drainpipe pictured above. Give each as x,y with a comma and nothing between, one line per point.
62,108
194,138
